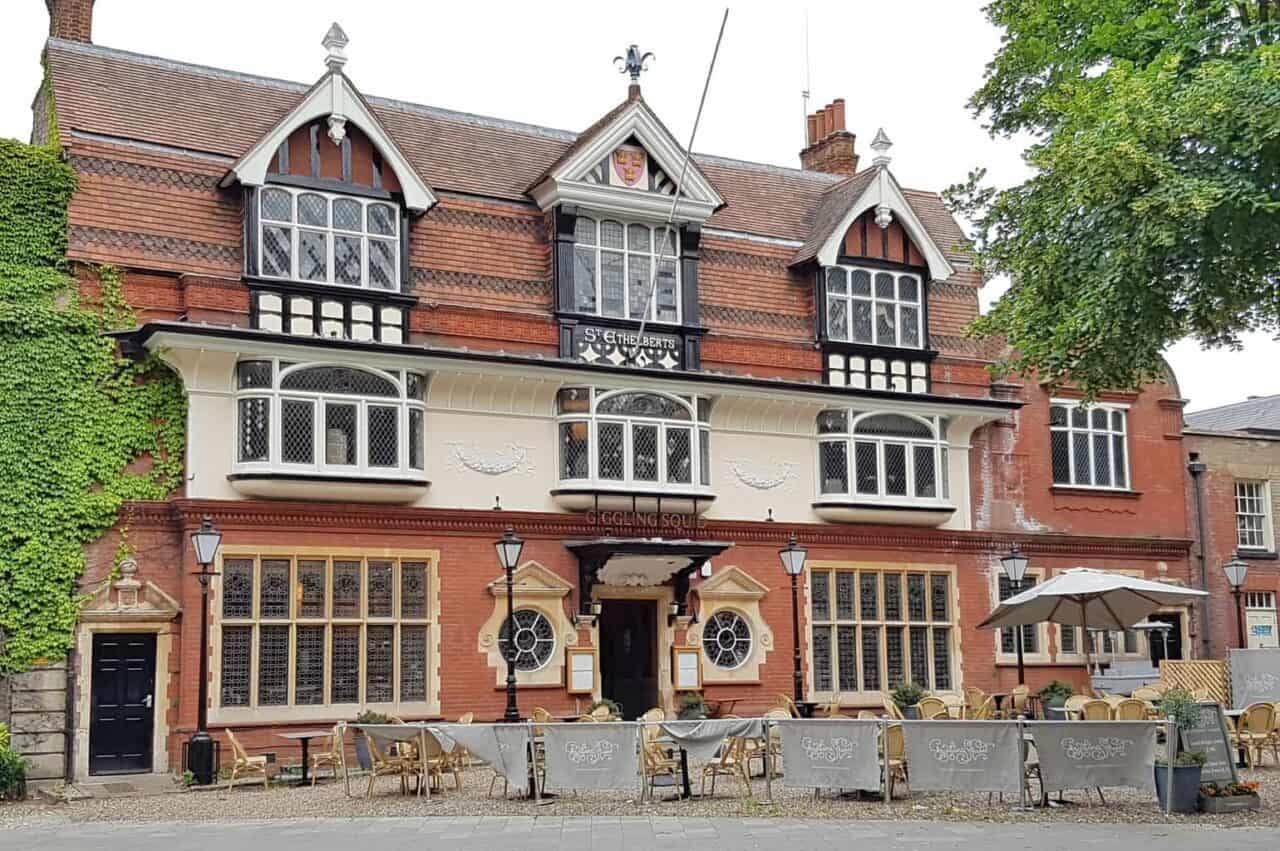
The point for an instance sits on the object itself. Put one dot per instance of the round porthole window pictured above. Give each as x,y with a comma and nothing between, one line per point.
726,639
535,639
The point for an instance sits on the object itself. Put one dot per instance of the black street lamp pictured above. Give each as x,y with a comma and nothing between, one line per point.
793,557
205,541
508,547
1015,567
1236,571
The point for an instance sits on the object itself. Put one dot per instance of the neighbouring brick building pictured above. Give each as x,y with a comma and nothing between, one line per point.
402,329
1235,467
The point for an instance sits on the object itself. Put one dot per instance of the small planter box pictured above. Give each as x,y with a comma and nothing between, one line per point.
1230,804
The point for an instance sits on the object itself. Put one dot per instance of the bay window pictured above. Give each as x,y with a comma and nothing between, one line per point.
626,270
320,237
874,306
873,457
329,419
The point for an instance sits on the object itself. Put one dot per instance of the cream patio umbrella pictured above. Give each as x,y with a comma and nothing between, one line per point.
1089,598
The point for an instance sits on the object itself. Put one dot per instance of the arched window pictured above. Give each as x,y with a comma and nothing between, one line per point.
621,269
319,237
634,439
882,456
329,419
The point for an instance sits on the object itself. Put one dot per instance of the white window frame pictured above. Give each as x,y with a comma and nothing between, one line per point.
698,431
319,400
1266,530
555,639
896,304
751,639
671,252
330,231
850,438
1088,429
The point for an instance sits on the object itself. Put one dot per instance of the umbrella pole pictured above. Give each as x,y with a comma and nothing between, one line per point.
1084,627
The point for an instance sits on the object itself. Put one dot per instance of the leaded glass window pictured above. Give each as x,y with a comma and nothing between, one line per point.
1088,446
895,458
888,314
363,625
873,638
325,238
535,639
726,639
626,271
1030,632
645,440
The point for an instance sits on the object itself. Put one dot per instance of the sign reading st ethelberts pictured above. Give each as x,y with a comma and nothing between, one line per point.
624,347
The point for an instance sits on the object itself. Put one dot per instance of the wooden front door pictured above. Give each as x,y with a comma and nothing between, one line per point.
122,715
629,655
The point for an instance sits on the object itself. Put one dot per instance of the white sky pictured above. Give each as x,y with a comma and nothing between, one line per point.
907,66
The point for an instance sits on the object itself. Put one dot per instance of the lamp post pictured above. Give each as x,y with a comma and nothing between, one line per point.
793,557
1015,567
508,547
205,541
1236,571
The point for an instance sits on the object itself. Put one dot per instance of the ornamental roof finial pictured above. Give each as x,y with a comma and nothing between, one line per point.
633,63
334,40
881,145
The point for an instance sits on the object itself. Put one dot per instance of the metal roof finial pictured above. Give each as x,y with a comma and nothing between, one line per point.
334,40
633,63
881,145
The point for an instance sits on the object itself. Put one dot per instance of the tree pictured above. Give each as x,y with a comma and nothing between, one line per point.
1153,211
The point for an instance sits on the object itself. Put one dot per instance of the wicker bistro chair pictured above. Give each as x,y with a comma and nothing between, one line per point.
1255,731
1131,710
1096,710
245,765
784,701
974,697
1019,702
985,712
332,759
388,764
1146,693
893,762
732,762
1074,703
867,715
933,707
890,707
656,763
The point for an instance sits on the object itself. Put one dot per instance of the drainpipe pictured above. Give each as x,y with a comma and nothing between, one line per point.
1197,468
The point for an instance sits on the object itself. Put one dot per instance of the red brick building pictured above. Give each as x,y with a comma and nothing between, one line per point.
402,329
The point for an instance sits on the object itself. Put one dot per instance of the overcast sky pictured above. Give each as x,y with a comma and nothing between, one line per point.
907,66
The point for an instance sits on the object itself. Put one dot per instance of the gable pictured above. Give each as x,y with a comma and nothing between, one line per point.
356,160
732,583
628,163
866,239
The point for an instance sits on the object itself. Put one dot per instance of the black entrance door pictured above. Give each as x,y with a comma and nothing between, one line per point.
629,655
1173,637
123,689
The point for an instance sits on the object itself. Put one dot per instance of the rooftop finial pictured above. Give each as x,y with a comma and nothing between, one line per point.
334,40
881,145
633,63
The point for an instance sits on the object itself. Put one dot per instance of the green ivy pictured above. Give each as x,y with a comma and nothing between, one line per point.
82,428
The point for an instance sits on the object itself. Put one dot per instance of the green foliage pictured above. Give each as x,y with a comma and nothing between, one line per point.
188,779
1152,213
1056,690
1180,704
368,716
615,708
82,429
692,705
907,694
13,768
4,735
1184,759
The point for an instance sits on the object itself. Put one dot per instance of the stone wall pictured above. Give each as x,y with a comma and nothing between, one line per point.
35,703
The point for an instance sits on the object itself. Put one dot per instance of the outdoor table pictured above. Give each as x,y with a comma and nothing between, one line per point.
686,789
723,706
305,736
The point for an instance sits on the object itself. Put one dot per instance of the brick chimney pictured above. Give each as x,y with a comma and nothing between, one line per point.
831,146
71,19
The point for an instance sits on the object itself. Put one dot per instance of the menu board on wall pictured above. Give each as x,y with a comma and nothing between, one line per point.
686,667
581,670
1211,738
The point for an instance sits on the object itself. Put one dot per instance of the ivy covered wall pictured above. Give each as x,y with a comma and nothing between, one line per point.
82,429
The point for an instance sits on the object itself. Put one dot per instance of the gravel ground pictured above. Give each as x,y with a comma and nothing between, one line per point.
329,800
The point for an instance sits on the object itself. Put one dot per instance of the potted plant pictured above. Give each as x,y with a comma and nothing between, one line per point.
615,708
906,696
1187,765
1234,797
1053,696
363,758
13,770
693,707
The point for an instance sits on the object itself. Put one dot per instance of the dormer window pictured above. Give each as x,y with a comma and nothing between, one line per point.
873,306
614,270
324,238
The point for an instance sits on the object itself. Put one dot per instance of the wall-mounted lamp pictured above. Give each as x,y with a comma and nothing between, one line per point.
588,618
673,612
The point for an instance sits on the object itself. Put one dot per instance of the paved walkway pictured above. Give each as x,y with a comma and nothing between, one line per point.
617,834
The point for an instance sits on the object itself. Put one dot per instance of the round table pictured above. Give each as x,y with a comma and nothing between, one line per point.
305,737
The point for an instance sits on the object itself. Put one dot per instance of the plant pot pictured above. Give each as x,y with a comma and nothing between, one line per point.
1230,804
1186,787
911,712
692,715
363,757
1056,702
1055,713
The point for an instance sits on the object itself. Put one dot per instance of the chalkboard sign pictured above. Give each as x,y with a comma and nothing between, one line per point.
1210,736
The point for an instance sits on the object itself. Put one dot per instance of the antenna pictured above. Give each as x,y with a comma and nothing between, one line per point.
804,93
675,198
